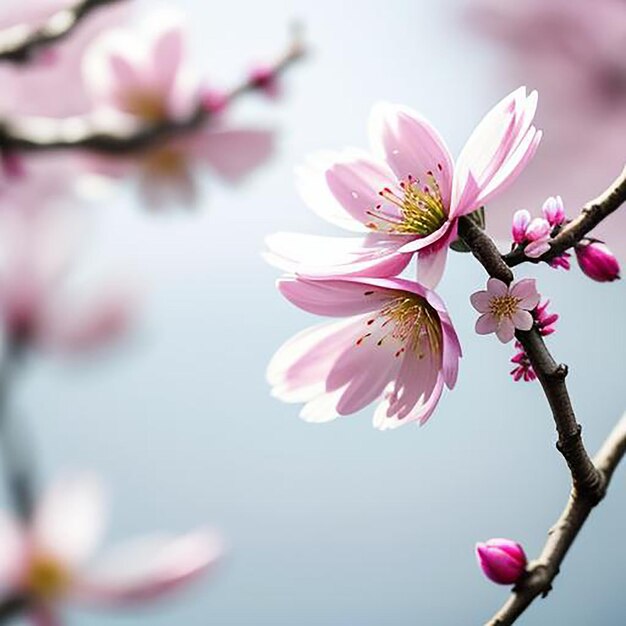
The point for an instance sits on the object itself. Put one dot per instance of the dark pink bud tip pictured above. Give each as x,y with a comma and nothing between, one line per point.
503,561
597,262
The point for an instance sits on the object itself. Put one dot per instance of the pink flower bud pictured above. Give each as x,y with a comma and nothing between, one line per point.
503,561
553,210
214,101
521,219
265,79
597,261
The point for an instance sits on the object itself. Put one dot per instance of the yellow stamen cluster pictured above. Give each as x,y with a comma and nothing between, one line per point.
146,105
46,577
410,320
422,211
503,306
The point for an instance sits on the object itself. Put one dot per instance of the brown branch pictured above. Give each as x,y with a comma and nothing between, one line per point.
576,230
590,478
541,573
93,133
587,479
19,43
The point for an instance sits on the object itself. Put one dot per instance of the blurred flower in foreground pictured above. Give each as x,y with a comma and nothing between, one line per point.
397,346
573,51
50,84
503,561
505,309
144,74
48,560
410,195
38,306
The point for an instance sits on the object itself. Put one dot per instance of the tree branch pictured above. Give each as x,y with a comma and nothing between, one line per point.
561,536
19,43
576,230
93,133
587,479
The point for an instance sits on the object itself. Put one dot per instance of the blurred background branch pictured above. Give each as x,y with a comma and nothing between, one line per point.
91,132
19,43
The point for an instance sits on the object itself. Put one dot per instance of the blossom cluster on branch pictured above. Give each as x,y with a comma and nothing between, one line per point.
396,344
91,91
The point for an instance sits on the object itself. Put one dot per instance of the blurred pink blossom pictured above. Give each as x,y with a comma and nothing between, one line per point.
504,309
573,52
410,195
38,305
145,74
53,86
49,559
397,347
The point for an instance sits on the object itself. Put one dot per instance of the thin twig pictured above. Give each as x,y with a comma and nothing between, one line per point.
576,230
561,536
586,478
13,446
92,133
19,43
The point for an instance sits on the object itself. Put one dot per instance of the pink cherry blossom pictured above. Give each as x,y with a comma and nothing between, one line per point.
38,304
597,261
397,347
504,308
49,559
410,194
503,561
145,74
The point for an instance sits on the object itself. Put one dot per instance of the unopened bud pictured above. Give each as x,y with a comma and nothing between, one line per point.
553,210
597,261
521,220
503,561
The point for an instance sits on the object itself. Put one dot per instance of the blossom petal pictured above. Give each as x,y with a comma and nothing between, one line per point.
69,520
150,567
481,301
13,554
313,188
334,298
522,320
298,370
316,256
497,288
356,181
411,146
497,150
505,330
431,261
486,324
526,291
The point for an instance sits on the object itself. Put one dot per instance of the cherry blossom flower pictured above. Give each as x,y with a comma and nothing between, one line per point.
585,108
39,307
144,74
504,308
503,561
49,559
409,196
597,261
397,347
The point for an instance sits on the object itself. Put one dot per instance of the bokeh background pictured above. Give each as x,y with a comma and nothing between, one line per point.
336,524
